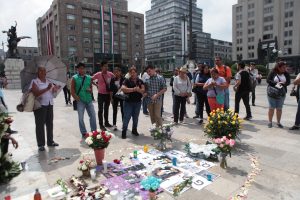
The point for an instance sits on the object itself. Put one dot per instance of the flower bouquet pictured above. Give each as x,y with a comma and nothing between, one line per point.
99,140
85,164
163,133
225,145
151,184
223,123
178,188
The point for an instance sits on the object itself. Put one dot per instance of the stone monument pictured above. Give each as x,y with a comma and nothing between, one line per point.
13,63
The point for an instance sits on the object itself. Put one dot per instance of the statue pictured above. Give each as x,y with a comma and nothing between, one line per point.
13,40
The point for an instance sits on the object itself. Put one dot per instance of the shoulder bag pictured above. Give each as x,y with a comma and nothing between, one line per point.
275,92
77,93
219,97
28,102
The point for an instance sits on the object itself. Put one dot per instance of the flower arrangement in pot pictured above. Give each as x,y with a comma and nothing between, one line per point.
99,140
163,134
225,145
223,123
85,164
151,184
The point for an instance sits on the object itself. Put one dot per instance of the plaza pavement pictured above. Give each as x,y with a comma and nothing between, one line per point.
278,151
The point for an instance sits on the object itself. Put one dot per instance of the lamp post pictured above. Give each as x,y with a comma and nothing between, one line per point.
174,59
274,51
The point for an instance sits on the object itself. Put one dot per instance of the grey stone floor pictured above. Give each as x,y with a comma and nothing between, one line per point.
278,151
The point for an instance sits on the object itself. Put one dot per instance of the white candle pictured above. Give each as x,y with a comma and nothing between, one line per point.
104,166
93,174
114,195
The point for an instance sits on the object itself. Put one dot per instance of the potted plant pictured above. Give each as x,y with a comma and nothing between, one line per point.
151,184
225,145
99,140
85,164
223,123
163,134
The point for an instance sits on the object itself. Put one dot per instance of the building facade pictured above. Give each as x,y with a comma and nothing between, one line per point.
27,53
202,48
223,49
89,31
265,29
166,39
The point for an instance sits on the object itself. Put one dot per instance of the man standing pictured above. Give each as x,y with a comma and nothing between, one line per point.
242,88
104,94
254,74
81,91
155,88
225,72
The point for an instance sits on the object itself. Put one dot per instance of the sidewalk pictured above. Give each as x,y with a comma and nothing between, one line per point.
278,151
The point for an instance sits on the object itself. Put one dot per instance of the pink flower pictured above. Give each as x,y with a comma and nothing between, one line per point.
227,142
231,142
221,145
217,140
224,137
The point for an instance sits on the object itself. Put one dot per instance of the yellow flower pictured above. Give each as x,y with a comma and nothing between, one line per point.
233,122
210,122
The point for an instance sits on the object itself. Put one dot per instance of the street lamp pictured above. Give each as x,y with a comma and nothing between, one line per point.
274,51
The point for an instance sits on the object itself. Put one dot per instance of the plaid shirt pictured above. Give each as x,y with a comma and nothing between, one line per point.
153,86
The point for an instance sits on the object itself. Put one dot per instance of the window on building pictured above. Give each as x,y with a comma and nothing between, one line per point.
250,22
123,35
268,10
123,45
137,27
86,40
86,30
72,50
250,14
71,17
268,1
97,50
86,50
86,20
290,23
96,40
95,21
290,33
250,6
106,33
71,27
72,38
267,36
268,19
96,31
70,6
268,27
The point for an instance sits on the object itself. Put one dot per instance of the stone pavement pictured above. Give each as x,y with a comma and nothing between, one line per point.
278,151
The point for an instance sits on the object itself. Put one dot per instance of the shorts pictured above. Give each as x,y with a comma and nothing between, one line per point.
276,103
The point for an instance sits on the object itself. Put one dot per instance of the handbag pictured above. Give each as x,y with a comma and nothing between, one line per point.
219,97
293,92
28,103
77,93
275,92
121,95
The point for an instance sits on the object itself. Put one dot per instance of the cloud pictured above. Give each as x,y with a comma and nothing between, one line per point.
216,16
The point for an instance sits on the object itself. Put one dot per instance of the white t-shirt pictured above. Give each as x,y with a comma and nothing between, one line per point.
280,79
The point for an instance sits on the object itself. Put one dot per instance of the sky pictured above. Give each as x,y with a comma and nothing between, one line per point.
217,17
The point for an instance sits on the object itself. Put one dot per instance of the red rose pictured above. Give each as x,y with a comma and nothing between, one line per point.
95,133
81,161
8,120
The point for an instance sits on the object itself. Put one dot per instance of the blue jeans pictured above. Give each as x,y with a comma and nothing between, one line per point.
131,109
145,110
226,99
81,106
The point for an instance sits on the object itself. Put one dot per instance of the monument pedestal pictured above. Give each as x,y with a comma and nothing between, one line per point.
13,67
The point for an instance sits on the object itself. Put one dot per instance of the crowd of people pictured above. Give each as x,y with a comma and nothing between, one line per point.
132,92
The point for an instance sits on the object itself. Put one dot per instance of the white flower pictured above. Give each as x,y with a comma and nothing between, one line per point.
84,167
89,140
90,134
99,137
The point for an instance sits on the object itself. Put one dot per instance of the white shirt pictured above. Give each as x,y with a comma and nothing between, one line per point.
181,86
46,98
145,76
280,79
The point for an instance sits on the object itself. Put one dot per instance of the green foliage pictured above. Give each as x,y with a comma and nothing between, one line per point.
262,69
233,69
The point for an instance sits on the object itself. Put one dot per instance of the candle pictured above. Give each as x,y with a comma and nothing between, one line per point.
93,174
104,166
114,195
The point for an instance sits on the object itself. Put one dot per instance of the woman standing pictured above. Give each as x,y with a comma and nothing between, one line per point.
115,86
43,90
278,79
182,90
134,88
216,86
200,80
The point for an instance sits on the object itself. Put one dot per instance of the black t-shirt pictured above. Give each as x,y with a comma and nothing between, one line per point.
245,82
134,96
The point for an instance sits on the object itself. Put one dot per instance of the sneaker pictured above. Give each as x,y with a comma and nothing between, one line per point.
294,128
115,128
279,125
248,118
134,132
103,128
201,121
270,124
253,104
108,125
42,148
53,144
124,134
195,117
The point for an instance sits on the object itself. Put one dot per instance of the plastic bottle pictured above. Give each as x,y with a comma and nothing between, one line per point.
37,195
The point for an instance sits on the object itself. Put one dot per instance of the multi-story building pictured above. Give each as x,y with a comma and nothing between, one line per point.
264,29
27,53
166,39
222,48
202,48
78,30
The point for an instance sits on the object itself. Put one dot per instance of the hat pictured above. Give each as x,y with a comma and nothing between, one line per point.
183,69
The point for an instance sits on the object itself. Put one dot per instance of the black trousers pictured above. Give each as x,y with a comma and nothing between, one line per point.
180,103
44,116
115,105
244,95
202,99
253,93
103,104
67,94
